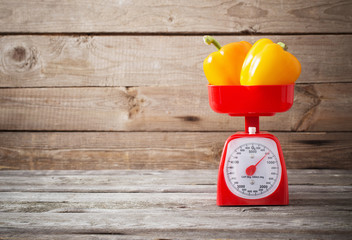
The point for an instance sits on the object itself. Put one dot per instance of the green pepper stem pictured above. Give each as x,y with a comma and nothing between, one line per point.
210,40
283,45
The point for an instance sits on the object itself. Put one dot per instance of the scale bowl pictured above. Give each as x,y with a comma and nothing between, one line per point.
258,100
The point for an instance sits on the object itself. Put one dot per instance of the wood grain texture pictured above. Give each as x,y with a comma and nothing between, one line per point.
120,83
71,202
181,16
319,207
53,61
158,150
151,181
317,107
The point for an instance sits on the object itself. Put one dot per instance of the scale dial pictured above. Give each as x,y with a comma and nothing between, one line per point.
252,167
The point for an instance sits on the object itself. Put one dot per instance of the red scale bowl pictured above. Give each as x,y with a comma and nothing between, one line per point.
259,100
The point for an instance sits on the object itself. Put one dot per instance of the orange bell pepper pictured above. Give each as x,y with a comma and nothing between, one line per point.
269,63
224,66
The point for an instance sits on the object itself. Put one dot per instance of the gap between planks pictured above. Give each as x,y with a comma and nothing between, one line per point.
244,33
136,86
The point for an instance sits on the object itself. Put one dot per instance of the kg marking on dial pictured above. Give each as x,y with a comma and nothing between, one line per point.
252,170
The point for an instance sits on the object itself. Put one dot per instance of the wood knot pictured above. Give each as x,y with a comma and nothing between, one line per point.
18,54
134,102
189,118
170,19
18,59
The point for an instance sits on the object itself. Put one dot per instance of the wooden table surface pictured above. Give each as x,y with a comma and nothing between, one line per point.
177,204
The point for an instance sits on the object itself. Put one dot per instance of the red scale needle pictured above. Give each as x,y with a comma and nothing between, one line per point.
252,168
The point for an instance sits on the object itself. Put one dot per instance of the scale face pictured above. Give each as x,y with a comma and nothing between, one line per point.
252,171
252,167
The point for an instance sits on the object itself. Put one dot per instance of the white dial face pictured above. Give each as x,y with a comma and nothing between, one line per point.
252,167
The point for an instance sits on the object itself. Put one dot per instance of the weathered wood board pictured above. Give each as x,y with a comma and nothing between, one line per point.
143,60
158,150
145,181
317,107
167,205
178,16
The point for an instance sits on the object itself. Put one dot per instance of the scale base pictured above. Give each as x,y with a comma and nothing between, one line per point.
226,198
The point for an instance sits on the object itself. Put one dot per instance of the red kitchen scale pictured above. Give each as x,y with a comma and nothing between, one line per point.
252,170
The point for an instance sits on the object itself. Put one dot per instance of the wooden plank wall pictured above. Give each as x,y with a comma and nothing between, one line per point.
120,85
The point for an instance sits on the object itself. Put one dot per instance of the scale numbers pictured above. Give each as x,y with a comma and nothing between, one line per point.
252,168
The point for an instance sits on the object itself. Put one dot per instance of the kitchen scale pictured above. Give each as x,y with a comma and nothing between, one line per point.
252,170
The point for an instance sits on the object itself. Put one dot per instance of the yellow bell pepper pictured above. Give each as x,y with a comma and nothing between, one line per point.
223,67
269,63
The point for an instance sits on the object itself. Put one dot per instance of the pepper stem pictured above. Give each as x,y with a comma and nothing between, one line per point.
210,40
283,45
